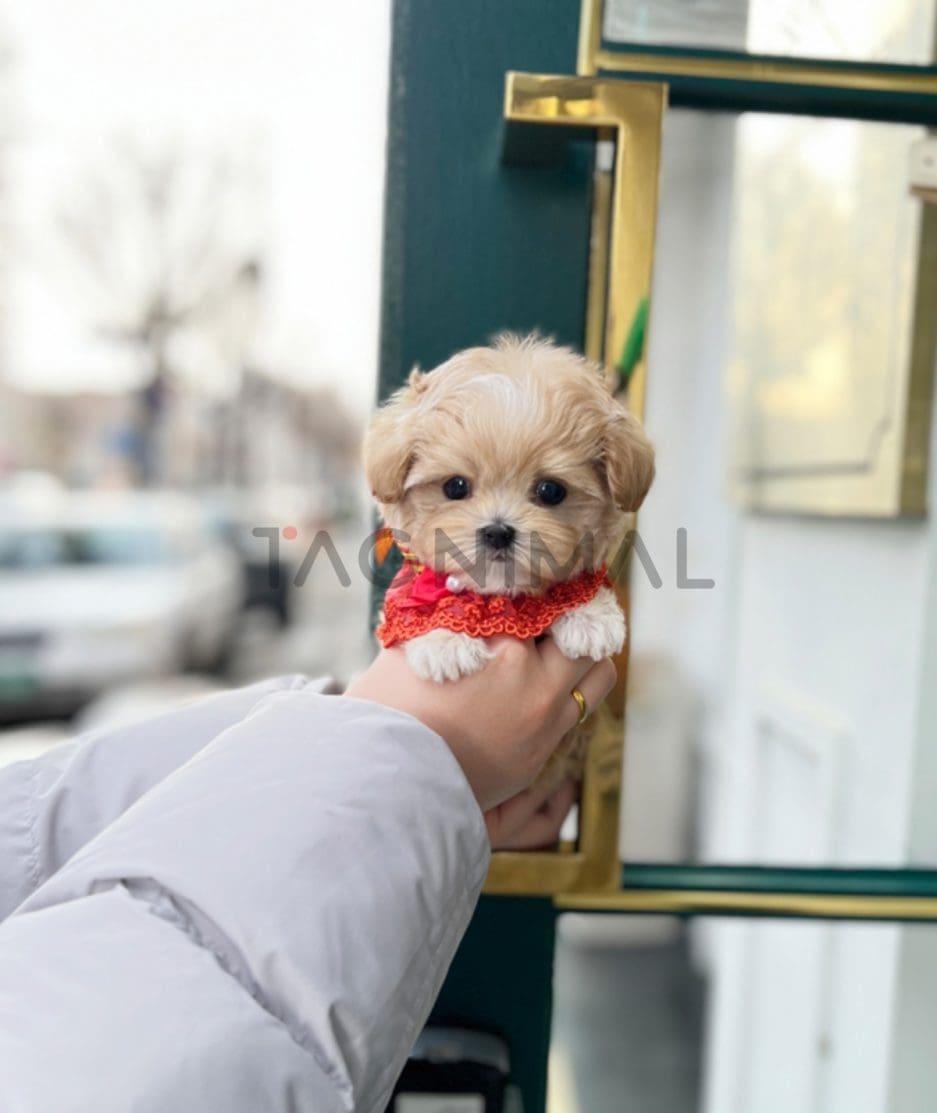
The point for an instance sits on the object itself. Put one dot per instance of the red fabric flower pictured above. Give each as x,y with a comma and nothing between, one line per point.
421,589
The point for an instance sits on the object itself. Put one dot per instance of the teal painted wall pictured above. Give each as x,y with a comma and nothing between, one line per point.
472,246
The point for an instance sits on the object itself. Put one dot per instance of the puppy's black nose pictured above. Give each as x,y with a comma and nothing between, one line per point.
498,535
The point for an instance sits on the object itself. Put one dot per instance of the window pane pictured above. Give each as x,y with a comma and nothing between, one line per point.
844,30
777,711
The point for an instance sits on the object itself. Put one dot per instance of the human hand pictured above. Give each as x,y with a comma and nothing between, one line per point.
531,819
501,723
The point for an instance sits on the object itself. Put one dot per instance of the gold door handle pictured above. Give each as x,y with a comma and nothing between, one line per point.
540,112
631,113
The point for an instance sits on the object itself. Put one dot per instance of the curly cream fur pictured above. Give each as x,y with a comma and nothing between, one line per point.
505,417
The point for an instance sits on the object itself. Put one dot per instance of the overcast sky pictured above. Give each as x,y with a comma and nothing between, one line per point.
303,83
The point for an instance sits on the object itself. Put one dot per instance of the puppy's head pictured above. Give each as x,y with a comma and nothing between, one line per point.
508,467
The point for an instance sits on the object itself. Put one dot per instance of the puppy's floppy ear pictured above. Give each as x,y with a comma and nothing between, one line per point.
391,441
628,459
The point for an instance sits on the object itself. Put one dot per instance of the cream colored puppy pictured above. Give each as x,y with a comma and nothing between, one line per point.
504,474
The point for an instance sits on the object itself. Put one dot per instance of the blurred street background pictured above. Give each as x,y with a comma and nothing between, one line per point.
189,281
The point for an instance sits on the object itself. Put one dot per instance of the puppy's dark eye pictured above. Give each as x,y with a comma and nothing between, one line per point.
458,487
549,492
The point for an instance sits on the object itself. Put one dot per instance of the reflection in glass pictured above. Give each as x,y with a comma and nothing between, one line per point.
708,23
742,1016
843,30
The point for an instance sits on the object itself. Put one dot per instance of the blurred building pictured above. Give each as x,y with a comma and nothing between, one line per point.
269,433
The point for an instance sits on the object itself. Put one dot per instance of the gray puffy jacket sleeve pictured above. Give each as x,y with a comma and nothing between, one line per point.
52,805
264,929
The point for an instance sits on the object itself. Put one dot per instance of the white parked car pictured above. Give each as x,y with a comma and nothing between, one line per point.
102,589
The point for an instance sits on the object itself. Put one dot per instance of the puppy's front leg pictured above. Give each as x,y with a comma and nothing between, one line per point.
445,655
596,629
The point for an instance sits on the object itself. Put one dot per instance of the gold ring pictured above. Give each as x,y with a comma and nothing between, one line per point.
581,704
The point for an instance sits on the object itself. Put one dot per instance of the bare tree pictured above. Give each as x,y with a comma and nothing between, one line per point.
163,241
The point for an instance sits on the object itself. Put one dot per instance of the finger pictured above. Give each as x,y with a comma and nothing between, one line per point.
508,817
543,828
595,686
504,648
561,670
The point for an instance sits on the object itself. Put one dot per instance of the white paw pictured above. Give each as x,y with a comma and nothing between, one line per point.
596,629
444,655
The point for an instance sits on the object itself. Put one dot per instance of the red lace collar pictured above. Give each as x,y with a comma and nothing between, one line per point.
418,601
